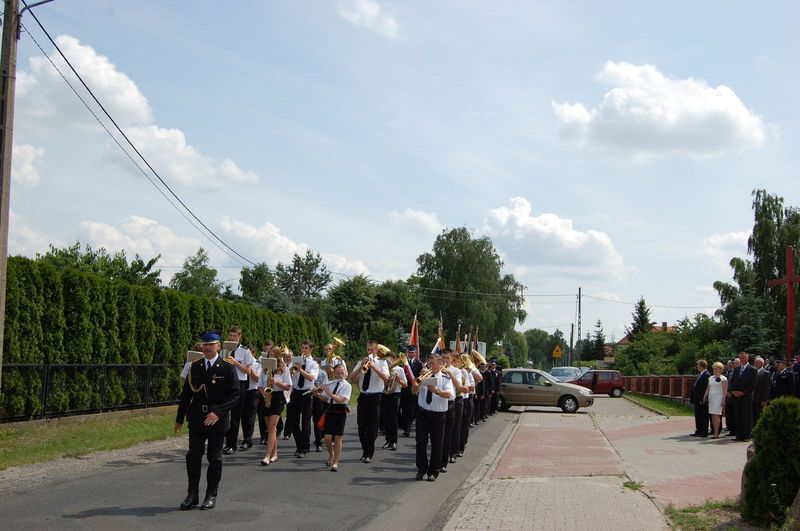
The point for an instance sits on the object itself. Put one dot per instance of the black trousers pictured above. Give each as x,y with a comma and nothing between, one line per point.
743,410
194,460
367,412
466,421
730,415
317,409
249,415
449,420
298,420
493,403
408,410
389,405
430,426
701,418
236,416
455,441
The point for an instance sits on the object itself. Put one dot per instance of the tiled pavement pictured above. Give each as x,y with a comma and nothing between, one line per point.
557,471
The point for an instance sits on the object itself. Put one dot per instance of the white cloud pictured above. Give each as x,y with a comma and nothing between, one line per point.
47,105
647,115
722,247
549,242
369,14
269,245
25,240
25,165
179,162
426,221
142,236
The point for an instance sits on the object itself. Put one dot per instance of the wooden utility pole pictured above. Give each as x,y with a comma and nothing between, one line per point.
8,66
789,280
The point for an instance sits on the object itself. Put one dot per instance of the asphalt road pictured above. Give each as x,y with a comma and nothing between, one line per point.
288,494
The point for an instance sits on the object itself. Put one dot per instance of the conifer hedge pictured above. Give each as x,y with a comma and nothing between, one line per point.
72,317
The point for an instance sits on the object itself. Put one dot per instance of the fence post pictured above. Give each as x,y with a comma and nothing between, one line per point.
103,379
147,387
45,386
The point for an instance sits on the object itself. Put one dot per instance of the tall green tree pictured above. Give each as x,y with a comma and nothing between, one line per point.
114,266
641,319
598,342
462,279
305,278
196,277
538,346
352,304
257,283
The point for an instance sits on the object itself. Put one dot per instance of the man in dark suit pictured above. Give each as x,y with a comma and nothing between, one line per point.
209,392
742,385
700,405
408,401
761,390
782,380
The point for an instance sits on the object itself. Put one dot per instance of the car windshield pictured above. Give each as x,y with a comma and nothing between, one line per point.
548,377
561,371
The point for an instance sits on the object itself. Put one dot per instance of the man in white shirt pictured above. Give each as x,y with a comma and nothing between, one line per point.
370,383
298,412
432,399
243,360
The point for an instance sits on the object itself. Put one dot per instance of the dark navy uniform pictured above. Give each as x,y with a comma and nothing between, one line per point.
213,390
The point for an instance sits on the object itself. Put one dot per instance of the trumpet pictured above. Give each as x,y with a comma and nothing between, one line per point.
424,374
365,367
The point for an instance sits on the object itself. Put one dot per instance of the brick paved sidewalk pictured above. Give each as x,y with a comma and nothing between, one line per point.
556,471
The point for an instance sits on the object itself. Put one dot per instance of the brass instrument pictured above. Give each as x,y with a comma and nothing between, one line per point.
466,362
269,365
477,357
332,354
366,366
383,351
424,374
388,386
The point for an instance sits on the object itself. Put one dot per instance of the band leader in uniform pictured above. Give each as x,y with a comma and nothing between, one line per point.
209,392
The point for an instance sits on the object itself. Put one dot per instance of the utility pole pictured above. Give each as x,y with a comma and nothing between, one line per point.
8,66
579,314
571,336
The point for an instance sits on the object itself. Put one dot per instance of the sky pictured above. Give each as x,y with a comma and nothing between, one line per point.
608,146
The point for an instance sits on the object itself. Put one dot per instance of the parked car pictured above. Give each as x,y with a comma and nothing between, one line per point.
532,387
601,382
565,374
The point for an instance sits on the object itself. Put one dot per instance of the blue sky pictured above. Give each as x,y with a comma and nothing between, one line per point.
611,146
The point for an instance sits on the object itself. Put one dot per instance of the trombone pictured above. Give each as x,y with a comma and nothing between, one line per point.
424,374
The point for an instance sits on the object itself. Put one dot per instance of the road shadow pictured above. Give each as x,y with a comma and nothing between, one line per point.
148,459
121,511
371,480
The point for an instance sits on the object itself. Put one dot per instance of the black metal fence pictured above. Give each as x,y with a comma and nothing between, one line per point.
57,390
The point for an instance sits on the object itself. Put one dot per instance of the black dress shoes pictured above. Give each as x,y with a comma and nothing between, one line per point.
191,500
229,450
209,502
420,475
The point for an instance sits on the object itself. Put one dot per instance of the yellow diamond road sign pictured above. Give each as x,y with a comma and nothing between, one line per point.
557,352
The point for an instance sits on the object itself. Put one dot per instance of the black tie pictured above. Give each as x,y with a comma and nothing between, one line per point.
208,365
300,379
365,382
334,391
429,397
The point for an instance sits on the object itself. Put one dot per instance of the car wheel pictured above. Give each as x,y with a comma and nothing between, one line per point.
616,393
568,404
502,405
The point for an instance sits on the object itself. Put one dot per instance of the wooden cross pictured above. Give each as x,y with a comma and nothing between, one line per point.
789,280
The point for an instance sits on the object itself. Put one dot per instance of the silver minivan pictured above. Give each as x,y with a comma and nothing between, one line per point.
532,387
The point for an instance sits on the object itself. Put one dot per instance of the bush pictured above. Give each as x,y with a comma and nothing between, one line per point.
772,477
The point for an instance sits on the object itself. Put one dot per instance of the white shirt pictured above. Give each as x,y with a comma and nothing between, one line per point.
243,356
468,380
456,380
280,376
343,390
401,377
251,383
312,368
438,404
375,382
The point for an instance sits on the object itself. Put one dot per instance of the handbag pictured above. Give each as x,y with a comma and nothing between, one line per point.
321,422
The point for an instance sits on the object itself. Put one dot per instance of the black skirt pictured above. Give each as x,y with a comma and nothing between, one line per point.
276,407
335,418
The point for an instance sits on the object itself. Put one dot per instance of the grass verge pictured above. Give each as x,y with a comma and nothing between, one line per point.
23,444
672,409
711,516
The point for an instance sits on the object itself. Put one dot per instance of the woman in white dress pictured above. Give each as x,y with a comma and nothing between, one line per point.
715,395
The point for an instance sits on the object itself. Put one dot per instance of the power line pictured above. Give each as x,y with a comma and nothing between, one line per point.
133,146
651,305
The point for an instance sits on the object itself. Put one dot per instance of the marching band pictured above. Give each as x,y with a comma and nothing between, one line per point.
443,397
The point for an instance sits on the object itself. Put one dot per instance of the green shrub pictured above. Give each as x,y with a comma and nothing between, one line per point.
772,476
